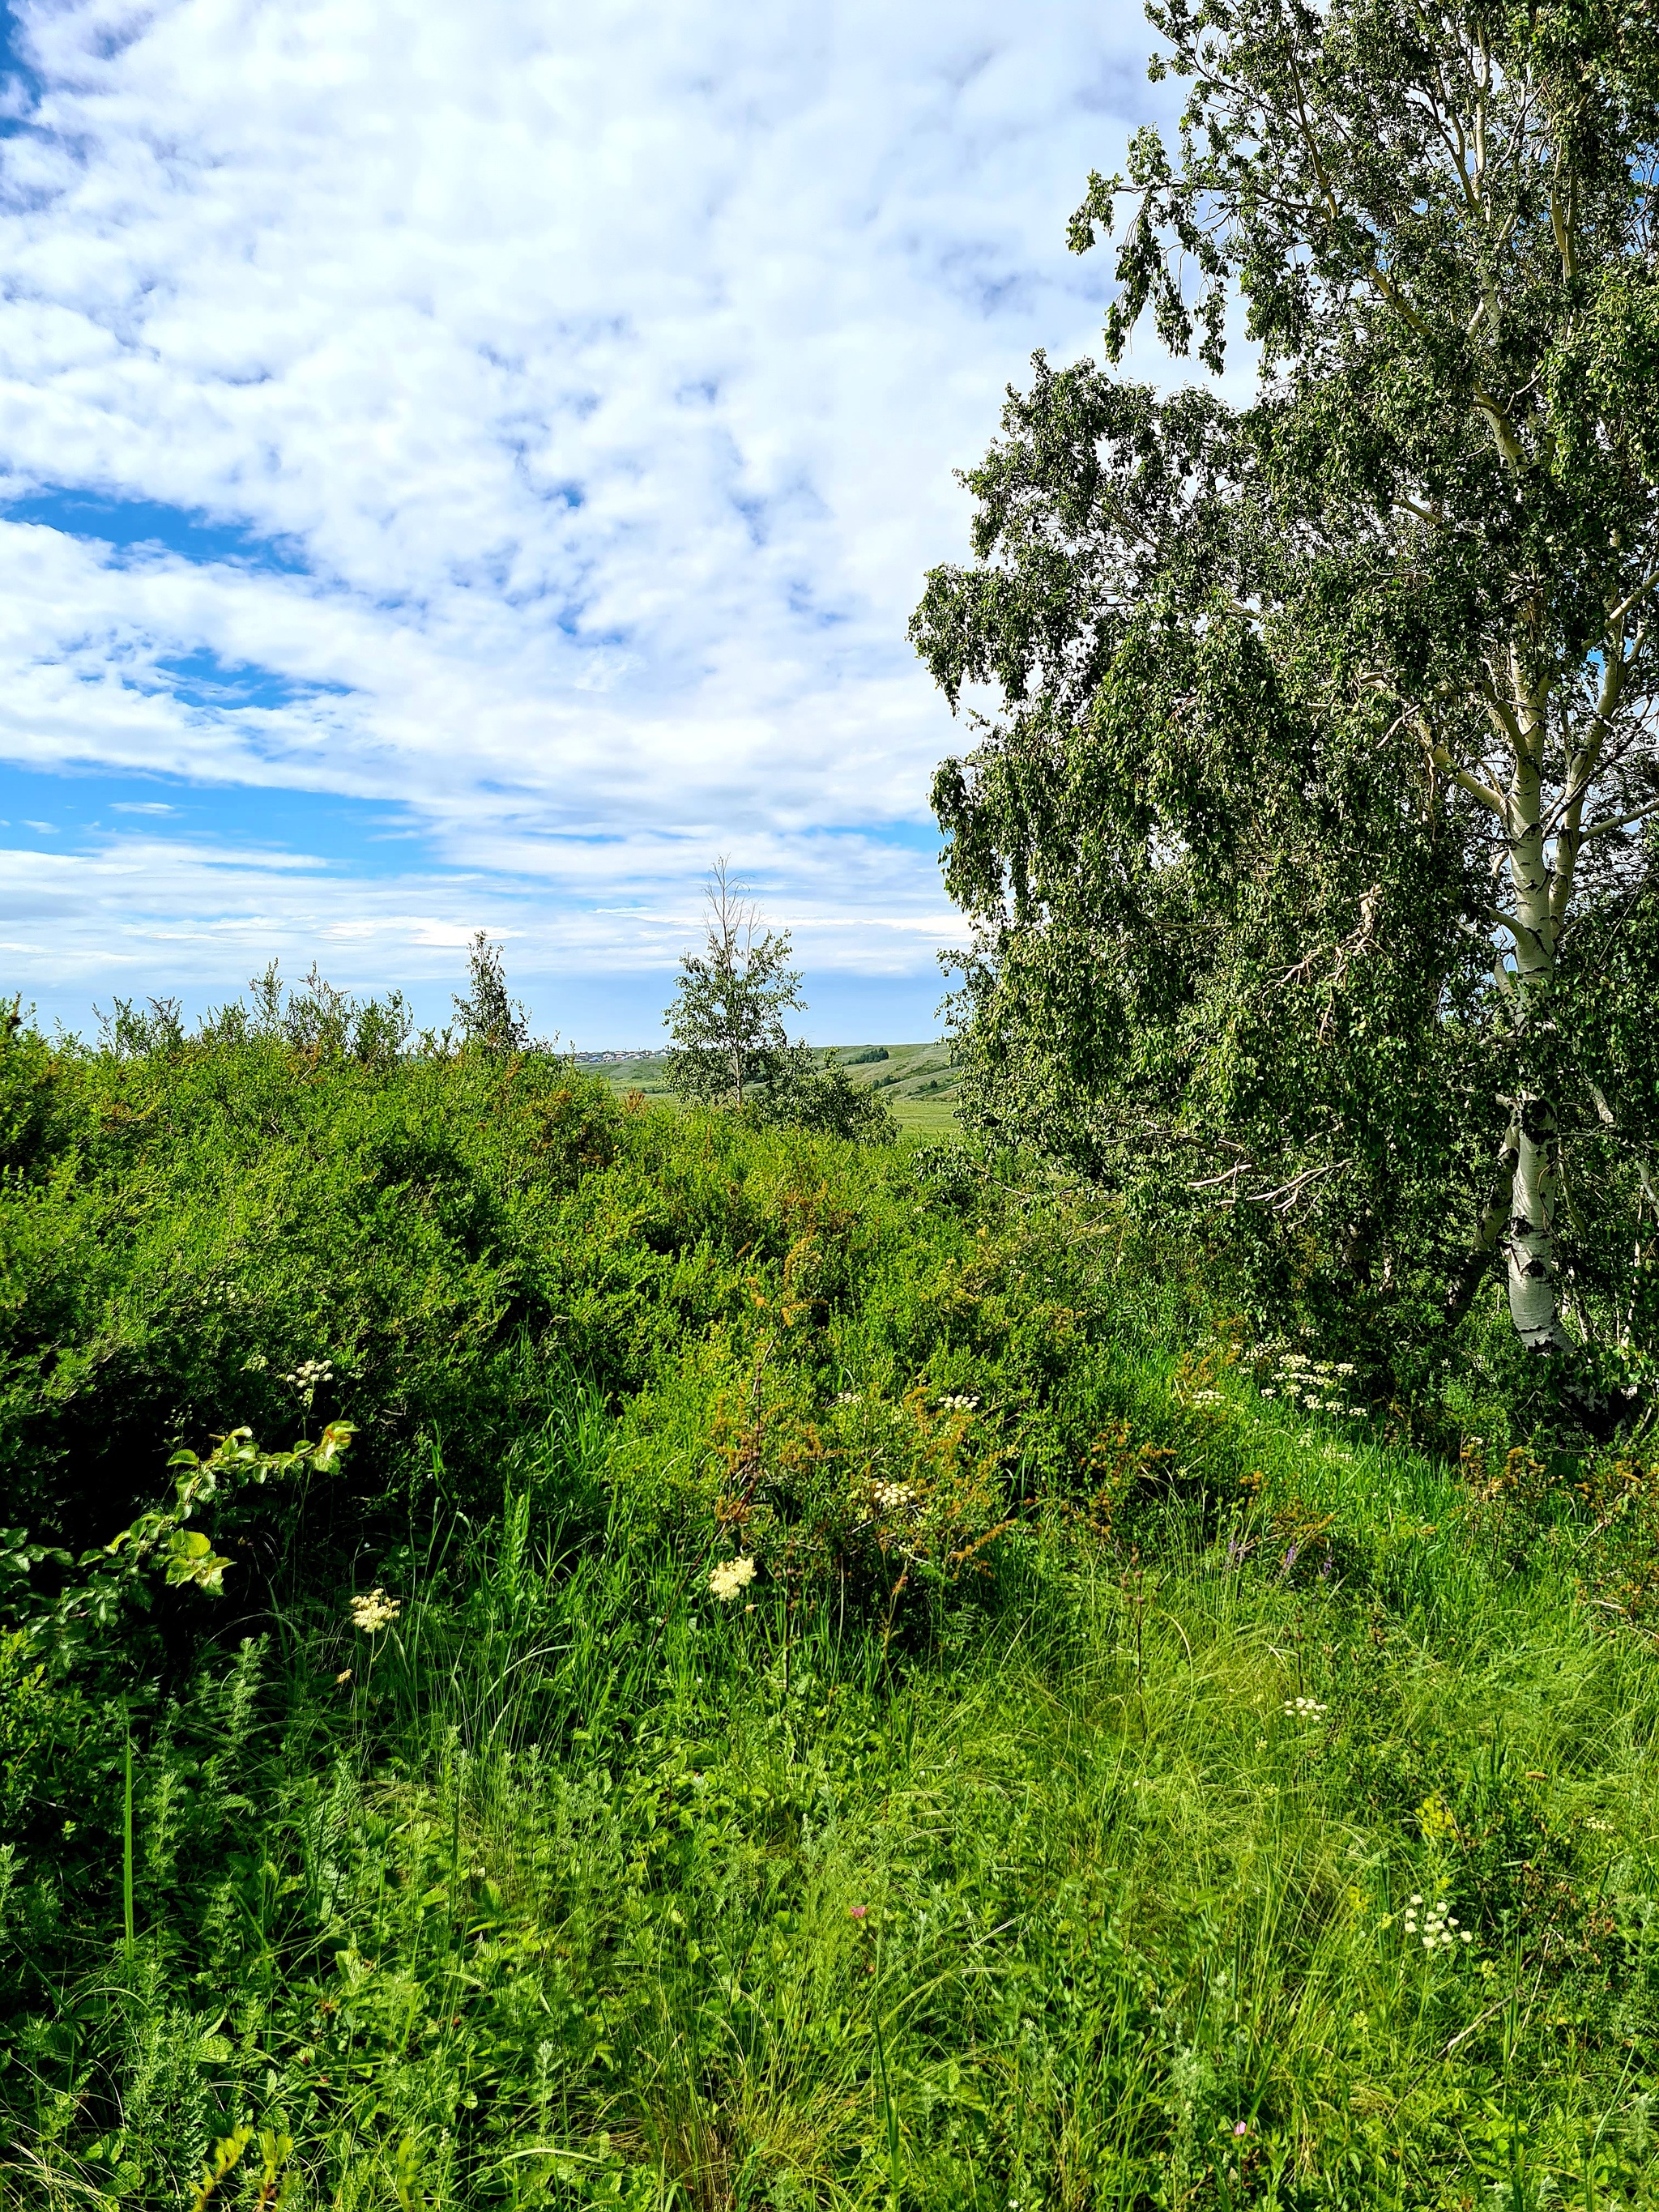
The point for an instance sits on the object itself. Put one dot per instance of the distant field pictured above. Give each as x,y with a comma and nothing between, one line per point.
917,1081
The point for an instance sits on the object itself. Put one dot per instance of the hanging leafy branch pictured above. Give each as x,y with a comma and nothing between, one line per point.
164,1545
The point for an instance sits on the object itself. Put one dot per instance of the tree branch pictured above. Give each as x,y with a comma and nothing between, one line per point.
1618,820
1472,784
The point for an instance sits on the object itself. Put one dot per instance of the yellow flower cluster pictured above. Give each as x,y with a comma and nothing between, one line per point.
375,1612
730,1577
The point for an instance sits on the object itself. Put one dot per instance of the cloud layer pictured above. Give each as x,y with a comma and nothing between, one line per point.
534,422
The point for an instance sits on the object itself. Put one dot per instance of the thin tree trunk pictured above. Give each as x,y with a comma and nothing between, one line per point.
1530,1246
1540,886
1489,1229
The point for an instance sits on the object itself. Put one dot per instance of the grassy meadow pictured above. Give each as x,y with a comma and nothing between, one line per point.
807,1676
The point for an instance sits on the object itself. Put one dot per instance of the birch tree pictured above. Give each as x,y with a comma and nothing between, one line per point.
727,1021
1308,837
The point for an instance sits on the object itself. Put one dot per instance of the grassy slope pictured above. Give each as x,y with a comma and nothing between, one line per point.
917,1081
578,1885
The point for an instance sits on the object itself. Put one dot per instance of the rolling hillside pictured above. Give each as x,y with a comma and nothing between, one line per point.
917,1081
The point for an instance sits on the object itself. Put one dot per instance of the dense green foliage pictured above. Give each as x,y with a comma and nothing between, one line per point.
1304,843
471,1849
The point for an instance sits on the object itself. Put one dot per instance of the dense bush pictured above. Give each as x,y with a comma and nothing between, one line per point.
803,1674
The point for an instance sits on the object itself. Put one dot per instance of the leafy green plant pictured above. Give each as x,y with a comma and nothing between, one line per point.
726,1020
1050,1827
87,1610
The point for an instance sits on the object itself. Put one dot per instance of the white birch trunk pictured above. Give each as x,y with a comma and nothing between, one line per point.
1530,1246
1490,1228
1538,894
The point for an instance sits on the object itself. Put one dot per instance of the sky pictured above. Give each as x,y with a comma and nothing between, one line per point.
468,466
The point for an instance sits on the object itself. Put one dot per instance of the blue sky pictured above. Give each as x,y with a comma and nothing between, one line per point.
469,467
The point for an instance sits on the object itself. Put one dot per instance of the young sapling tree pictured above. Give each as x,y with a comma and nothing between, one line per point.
491,1020
726,1020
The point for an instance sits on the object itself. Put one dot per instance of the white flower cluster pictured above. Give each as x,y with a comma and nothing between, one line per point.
1320,1385
893,1497
732,1578
959,1405
375,1612
1440,1930
1305,1709
847,1397
310,1374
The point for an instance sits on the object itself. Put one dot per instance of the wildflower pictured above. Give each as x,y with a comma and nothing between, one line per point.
892,1497
962,1404
858,1912
731,1576
344,1675
1269,1393
1241,2127
375,1612
1305,1709
1438,1929
847,1397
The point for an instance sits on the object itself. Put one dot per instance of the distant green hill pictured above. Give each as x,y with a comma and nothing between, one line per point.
917,1081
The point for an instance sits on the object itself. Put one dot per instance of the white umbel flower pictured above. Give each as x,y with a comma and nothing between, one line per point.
375,1612
732,1578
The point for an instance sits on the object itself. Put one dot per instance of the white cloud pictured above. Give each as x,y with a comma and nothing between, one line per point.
601,371
138,912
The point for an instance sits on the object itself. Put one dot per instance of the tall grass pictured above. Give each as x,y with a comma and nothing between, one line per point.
563,1897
